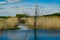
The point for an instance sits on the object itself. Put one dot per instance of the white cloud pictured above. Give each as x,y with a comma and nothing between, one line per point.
3,2
12,10
13,0
49,9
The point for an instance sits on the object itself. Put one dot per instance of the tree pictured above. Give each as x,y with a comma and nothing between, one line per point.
20,15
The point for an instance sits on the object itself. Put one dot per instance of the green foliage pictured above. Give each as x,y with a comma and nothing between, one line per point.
5,17
16,28
54,14
22,21
20,15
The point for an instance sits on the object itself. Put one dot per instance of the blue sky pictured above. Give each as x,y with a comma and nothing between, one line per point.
12,7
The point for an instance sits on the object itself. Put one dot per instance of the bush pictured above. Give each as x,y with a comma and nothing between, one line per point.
20,15
22,21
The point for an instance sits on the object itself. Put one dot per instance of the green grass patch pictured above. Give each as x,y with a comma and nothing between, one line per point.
16,28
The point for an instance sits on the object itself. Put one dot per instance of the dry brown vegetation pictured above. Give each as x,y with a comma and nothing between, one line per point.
8,23
48,22
2,23
12,22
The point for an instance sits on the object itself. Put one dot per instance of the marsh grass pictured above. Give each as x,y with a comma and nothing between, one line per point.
44,22
10,23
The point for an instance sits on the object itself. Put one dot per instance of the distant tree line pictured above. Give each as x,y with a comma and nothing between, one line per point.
54,14
4,16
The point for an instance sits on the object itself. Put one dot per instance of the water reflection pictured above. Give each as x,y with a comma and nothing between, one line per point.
1,33
17,35
23,27
29,35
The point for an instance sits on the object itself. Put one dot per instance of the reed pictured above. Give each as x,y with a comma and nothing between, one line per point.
8,23
48,22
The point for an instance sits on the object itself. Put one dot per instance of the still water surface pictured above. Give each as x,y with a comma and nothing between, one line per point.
26,34
29,35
